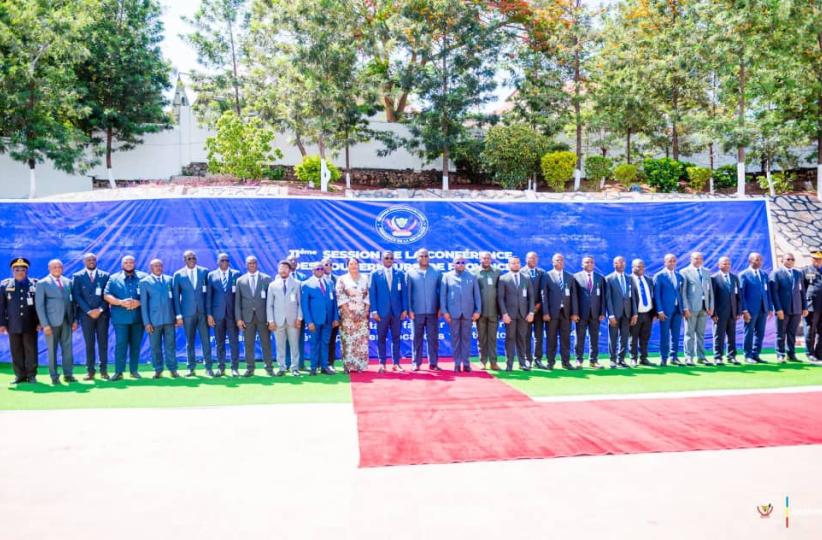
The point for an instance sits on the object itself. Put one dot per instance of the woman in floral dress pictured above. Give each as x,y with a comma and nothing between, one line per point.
353,302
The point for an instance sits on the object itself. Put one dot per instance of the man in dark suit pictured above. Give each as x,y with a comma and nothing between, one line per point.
621,309
560,308
389,307
812,278
93,313
190,291
251,312
726,311
220,298
18,318
789,304
643,293
537,328
668,302
516,300
591,303
330,281
757,307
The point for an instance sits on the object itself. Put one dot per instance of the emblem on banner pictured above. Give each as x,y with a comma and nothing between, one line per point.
402,224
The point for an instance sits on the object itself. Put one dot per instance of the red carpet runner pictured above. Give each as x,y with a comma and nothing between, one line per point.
445,418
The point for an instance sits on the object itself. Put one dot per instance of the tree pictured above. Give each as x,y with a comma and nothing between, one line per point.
219,29
41,43
512,154
125,76
241,148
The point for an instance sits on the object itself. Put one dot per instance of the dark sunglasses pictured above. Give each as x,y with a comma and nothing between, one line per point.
460,262
191,258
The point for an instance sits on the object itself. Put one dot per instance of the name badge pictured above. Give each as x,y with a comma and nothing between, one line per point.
597,291
525,293
262,294
138,289
293,297
170,295
33,289
30,301
766,286
736,289
98,291
490,281
233,288
399,286
567,291
205,288
8,297
331,296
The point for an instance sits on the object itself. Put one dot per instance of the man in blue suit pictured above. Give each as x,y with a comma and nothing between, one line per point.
726,311
122,292
668,302
424,307
157,309
560,307
461,307
757,307
330,281
389,307
222,289
789,304
591,303
190,291
93,313
621,309
320,314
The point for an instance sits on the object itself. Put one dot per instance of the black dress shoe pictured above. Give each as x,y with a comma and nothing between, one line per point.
539,364
117,377
457,368
210,372
793,359
622,364
509,369
135,375
466,369
69,378
191,373
524,368
55,380
676,362
328,371
235,373
104,374
219,373
269,371
248,373
417,368
645,363
32,379
568,366
758,360
175,374
18,380
157,375
280,373
89,376
313,371
434,368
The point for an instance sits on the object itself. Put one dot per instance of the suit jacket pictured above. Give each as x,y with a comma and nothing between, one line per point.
558,293
188,301
591,304
618,302
88,295
696,291
537,282
788,294
122,287
424,291
637,294
219,301
753,293
384,301
318,308
284,307
516,302
667,295
249,302
460,294
156,302
54,305
726,297
488,291
16,314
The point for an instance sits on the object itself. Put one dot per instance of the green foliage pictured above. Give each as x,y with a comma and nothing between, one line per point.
275,173
698,177
512,154
663,174
725,177
598,168
240,149
782,182
557,168
309,170
626,173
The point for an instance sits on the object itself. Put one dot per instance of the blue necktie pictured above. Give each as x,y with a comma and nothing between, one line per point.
642,292
224,280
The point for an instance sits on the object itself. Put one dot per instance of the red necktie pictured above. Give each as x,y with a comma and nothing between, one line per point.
590,284
59,282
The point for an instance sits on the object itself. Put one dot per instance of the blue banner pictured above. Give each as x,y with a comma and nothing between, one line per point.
270,229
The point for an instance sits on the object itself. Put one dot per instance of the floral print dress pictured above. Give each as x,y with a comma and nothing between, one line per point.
353,321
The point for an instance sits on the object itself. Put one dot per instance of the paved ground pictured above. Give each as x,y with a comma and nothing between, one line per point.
289,471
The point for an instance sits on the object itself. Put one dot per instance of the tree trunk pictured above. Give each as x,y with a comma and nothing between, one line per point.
628,147
769,178
711,166
674,130
740,152
300,146
445,111
32,180
577,113
235,82
109,171
819,142
347,166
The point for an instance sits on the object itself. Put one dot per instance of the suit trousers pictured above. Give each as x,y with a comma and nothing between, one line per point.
461,340
695,335
128,339
559,326
222,328
95,331
163,343
256,327
786,335
537,330
754,334
669,331
618,339
197,324
725,331
590,327
516,342
487,339
24,354
60,338
392,323
640,335
300,348
813,334
318,340
332,345
427,323
285,335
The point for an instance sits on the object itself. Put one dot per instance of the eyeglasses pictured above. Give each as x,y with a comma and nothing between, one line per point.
318,269
327,264
460,262
388,258
423,256
789,259
191,258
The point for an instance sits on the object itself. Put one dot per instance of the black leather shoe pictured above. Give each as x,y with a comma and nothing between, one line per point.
117,377
524,368
645,363
210,372
457,369
417,368
18,380
434,368
269,371
248,373
157,375
280,373
568,366
235,373
219,373
69,378
312,372
89,376
55,380
793,359
466,369
191,373
175,374
539,364
104,374
135,375
32,379
676,362
509,369
328,371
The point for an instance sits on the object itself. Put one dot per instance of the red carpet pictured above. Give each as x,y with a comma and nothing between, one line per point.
445,418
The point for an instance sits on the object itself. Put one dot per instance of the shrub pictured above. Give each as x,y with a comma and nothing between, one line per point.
782,182
663,174
598,168
557,168
275,173
512,154
240,148
556,146
309,170
698,177
725,177
626,173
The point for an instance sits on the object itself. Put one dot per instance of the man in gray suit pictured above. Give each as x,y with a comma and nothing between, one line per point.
250,314
516,299
697,306
157,310
55,309
423,284
460,303
621,308
285,317
487,278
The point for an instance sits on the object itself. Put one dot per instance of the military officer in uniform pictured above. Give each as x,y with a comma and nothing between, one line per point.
812,276
18,318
